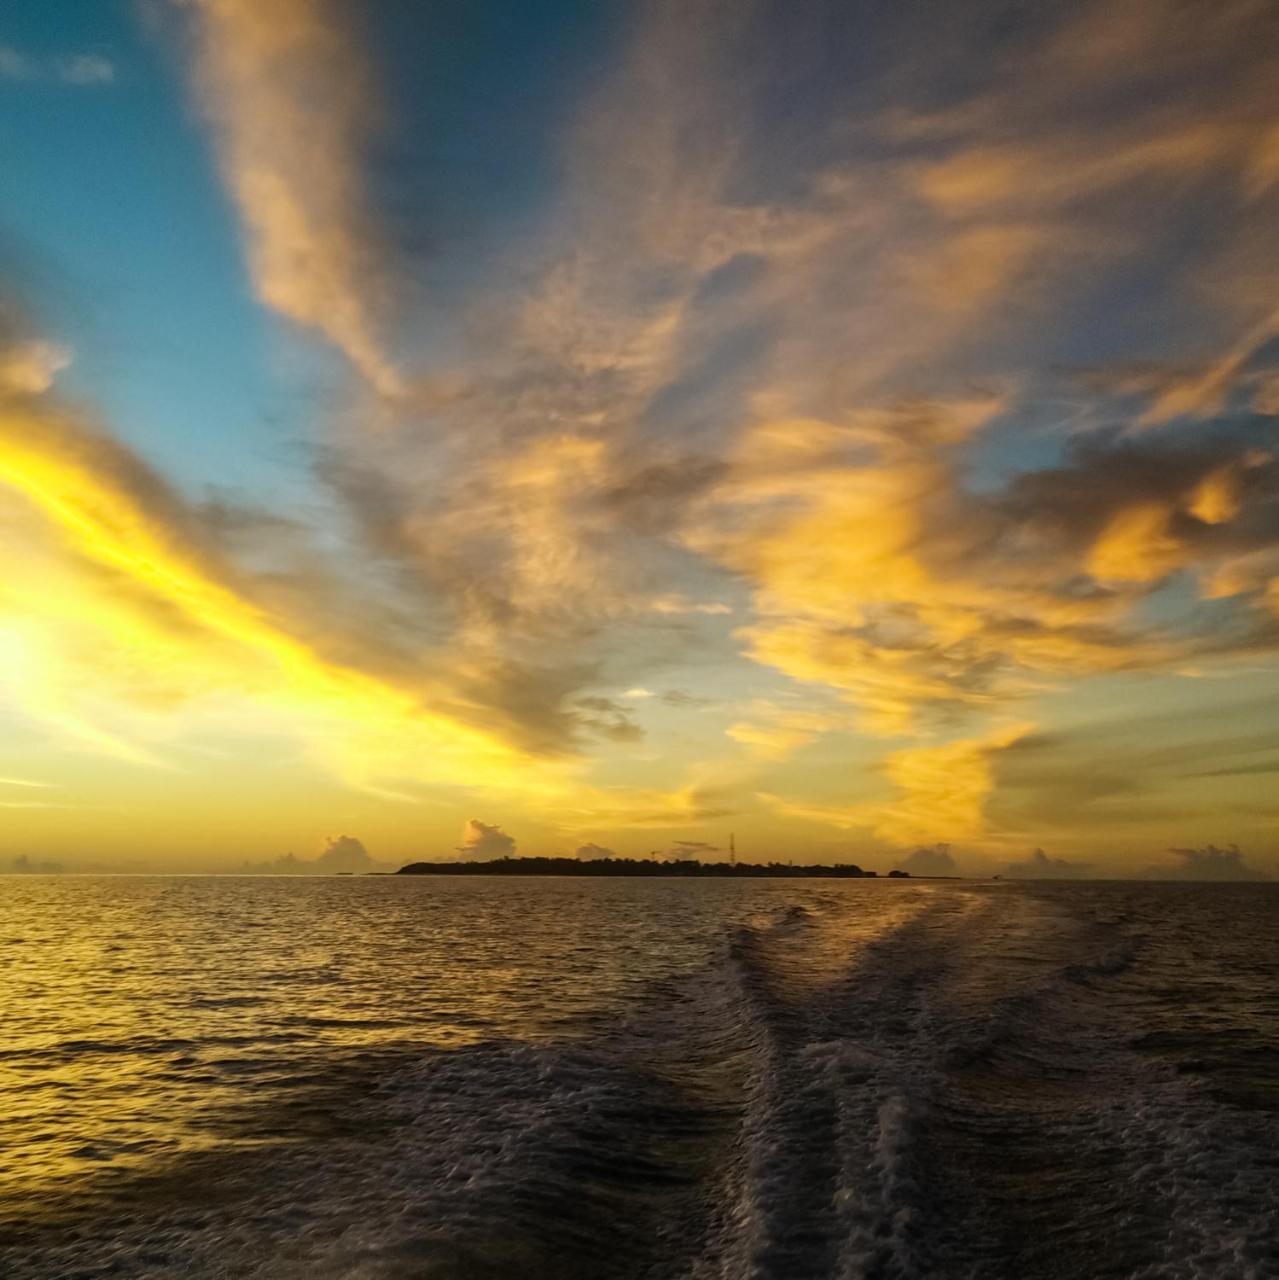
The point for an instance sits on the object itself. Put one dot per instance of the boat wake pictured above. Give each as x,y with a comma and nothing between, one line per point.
965,1085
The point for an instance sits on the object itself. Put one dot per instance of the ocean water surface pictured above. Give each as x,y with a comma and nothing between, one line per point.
472,1079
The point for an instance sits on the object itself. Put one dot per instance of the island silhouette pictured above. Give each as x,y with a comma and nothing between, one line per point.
687,867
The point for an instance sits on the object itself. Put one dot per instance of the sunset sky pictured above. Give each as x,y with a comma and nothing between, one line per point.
848,425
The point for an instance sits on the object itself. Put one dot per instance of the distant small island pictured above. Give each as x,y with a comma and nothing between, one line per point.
684,867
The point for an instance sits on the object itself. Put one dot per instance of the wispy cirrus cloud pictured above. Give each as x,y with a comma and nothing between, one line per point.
84,70
773,733
133,621
715,377
818,473
293,107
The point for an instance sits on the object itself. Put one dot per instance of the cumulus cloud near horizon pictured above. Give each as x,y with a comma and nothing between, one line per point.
1208,863
1040,866
589,852
337,855
343,853
483,841
929,860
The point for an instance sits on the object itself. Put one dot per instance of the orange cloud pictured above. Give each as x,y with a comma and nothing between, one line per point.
943,789
1136,546
1216,498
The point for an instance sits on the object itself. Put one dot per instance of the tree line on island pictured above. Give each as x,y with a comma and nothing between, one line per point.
547,866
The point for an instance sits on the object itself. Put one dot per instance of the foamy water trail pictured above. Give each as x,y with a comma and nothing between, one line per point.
954,1083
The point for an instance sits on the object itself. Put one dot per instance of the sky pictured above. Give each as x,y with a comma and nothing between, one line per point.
483,427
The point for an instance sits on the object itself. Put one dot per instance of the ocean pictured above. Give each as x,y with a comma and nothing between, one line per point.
377,1078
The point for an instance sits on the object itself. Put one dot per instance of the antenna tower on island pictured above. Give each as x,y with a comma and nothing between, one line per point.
732,849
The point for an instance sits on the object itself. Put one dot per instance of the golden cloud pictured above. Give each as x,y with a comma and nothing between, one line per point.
941,792
869,573
114,617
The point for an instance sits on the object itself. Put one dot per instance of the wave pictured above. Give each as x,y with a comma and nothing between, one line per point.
952,1085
